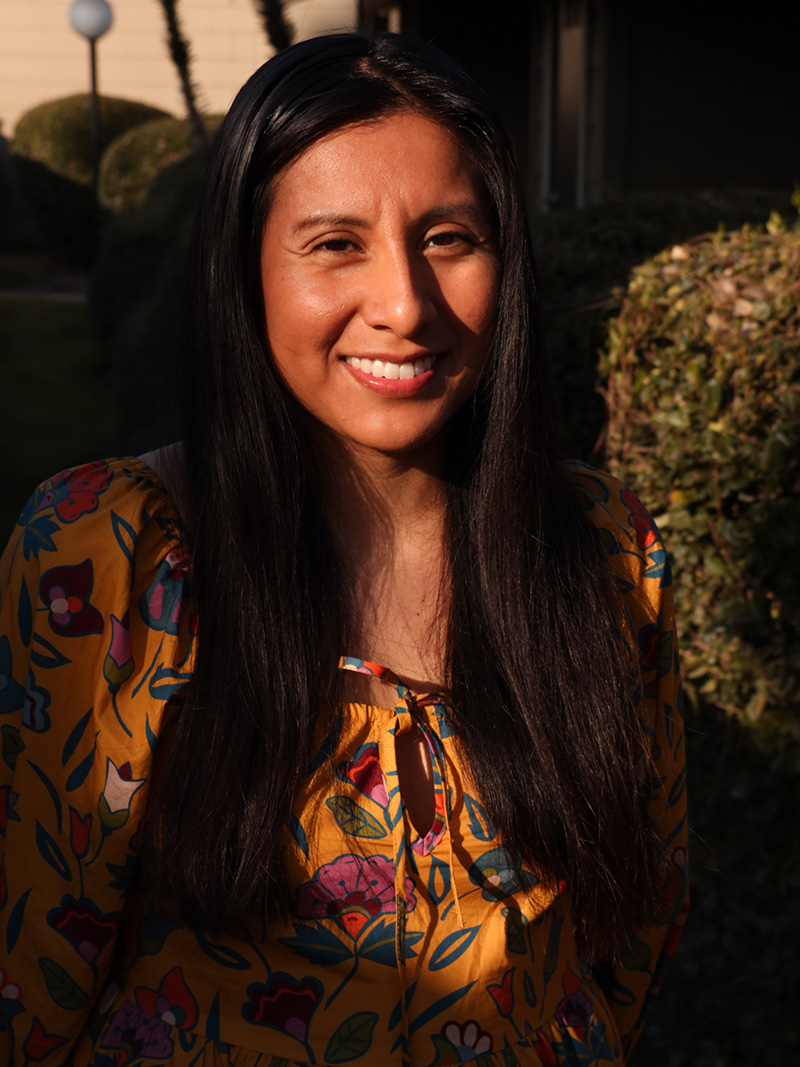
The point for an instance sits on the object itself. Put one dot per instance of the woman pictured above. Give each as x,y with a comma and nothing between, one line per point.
483,861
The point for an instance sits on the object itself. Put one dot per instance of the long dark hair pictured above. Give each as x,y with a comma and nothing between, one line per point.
538,660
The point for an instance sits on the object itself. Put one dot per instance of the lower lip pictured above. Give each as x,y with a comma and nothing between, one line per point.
392,388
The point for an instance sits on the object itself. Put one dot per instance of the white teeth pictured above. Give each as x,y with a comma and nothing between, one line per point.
378,368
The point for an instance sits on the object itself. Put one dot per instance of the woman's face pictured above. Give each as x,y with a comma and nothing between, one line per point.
380,278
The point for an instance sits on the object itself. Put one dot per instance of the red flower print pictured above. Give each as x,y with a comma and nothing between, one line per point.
172,1001
83,925
283,1003
66,592
649,640
365,774
38,1044
75,492
503,994
639,518
79,832
544,1050
352,890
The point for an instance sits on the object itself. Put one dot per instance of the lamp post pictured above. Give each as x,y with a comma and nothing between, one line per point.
91,19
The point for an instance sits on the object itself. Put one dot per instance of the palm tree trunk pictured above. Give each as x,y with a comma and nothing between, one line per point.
280,33
180,53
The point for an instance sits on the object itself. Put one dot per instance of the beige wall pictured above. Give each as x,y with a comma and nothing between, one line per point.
42,58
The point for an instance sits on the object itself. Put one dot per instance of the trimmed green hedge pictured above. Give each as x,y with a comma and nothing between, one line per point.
131,162
703,367
57,133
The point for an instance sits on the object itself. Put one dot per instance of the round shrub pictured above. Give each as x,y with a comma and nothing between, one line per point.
58,135
703,367
131,162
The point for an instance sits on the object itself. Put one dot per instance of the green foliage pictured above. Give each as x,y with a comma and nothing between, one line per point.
703,367
131,162
57,133
584,255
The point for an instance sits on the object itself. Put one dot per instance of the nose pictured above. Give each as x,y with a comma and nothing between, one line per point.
400,293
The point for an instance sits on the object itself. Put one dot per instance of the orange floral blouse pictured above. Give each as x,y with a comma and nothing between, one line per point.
404,949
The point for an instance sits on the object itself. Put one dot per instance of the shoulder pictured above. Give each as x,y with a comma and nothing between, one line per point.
626,529
93,598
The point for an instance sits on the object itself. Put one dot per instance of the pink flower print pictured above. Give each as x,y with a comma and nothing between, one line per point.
115,800
364,772
118,664
352,890
160,604
468,1040
136,1034
639,518
66,591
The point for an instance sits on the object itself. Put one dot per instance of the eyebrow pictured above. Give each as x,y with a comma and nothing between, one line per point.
476,216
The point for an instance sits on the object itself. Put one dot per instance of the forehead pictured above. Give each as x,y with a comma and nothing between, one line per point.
405,156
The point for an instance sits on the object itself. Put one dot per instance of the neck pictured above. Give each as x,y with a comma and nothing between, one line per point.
376,502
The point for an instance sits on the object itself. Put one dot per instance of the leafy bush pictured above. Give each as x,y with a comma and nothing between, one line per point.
131,162
57,133
703,368
584,255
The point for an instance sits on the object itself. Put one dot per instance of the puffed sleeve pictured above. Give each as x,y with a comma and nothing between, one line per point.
642,571
93,643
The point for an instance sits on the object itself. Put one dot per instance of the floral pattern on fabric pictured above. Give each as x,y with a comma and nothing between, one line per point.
405,948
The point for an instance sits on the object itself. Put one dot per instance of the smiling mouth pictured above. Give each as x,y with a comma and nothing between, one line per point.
378,368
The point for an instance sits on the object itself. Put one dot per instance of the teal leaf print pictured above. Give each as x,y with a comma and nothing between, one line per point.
480,825
223,954
298,833
125,535
62,989
379,944
394,1018
515,931
677,788
78,776
439,880
453,946
75,734
352,1039
354,820
52,658
529,989
51,853
37,536
439,1006
212,1020
51,789
166,681
329,745
317,944
13,746
15,921
25,614
152,931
